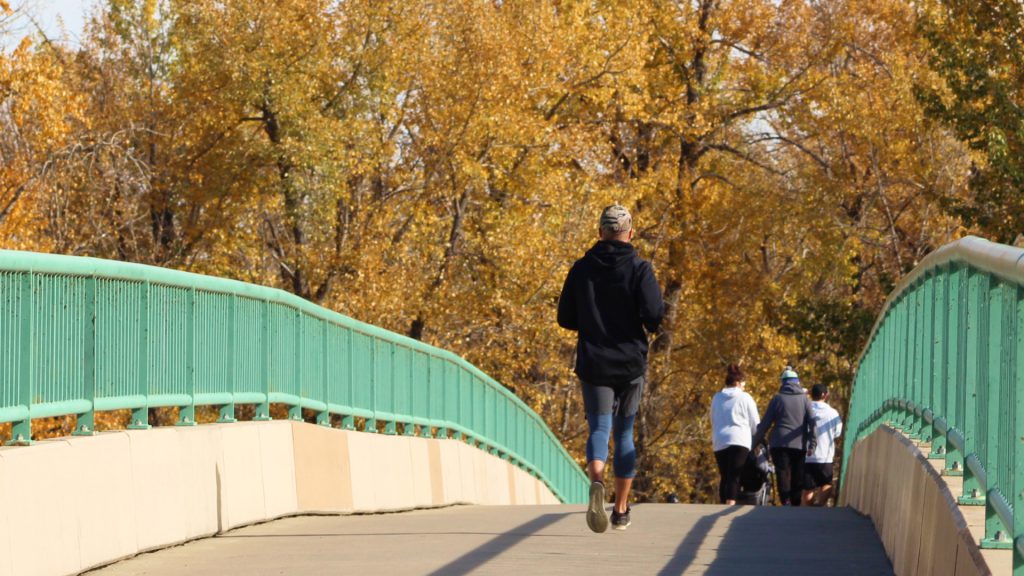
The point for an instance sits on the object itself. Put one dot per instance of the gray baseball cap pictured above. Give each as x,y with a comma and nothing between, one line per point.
616,218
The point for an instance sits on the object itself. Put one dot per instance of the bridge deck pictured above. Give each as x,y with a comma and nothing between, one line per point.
664,539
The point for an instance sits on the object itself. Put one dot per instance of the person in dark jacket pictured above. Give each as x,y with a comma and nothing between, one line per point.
613,301
790,417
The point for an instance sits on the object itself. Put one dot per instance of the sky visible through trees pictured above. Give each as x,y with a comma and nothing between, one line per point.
60,20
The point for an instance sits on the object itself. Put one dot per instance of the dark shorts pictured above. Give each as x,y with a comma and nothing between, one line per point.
619,399
817,475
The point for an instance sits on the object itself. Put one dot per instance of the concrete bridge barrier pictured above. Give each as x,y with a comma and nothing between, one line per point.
915,515
72,504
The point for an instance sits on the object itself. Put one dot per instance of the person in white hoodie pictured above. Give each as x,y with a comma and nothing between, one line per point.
733,422
818,469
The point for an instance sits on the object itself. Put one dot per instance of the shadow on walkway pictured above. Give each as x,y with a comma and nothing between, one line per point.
686,552
482,554
784,540
375,535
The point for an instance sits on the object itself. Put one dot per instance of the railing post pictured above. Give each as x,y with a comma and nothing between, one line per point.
409,429
910,420
940,324
429,376
1016,491
140,415
905,350
447,385
21,430
977,336
263,408
460,376
323,418
893,368
875,394
916,322
348,421
927,373
1000,356
295,411
370,424
85,423
993,357
187,414
227,411
956,368
897,386
391,426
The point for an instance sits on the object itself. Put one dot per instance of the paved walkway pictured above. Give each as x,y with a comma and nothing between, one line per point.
532,540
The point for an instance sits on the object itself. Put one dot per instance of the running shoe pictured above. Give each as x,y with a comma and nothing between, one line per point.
621,521
597,518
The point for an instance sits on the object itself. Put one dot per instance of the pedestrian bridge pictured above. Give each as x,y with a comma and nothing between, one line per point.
930,468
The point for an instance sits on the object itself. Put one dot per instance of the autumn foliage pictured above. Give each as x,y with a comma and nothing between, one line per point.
436,167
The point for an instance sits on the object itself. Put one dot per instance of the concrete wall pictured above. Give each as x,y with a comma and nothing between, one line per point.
72,504
919,522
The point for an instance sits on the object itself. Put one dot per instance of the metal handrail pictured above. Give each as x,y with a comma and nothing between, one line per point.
945,362
79,335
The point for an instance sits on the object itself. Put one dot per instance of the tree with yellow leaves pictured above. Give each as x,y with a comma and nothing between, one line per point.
435,167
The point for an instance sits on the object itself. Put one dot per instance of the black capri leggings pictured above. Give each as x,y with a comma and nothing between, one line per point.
789,472
730,462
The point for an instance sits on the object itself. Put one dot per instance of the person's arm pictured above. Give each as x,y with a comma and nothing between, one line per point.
752,417
567,303
839,426
650,306
714,408
811,426
766,423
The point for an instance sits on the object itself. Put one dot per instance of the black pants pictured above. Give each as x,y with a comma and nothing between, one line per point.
730,462
789,471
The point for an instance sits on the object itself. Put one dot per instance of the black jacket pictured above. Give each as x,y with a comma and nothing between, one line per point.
791,419
610,296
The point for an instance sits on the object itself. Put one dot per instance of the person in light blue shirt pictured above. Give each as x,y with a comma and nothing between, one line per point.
818,469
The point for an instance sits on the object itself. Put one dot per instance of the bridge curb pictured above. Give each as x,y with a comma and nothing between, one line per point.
918,520
74,504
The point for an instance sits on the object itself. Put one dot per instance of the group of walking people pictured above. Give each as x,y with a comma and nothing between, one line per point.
612,300
801,433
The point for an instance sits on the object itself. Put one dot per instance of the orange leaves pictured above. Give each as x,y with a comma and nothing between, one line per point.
38,111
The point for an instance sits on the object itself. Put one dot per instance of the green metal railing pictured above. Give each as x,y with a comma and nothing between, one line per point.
79,335
944,363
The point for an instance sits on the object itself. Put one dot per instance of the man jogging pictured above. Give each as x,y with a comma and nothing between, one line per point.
610,298
818,468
